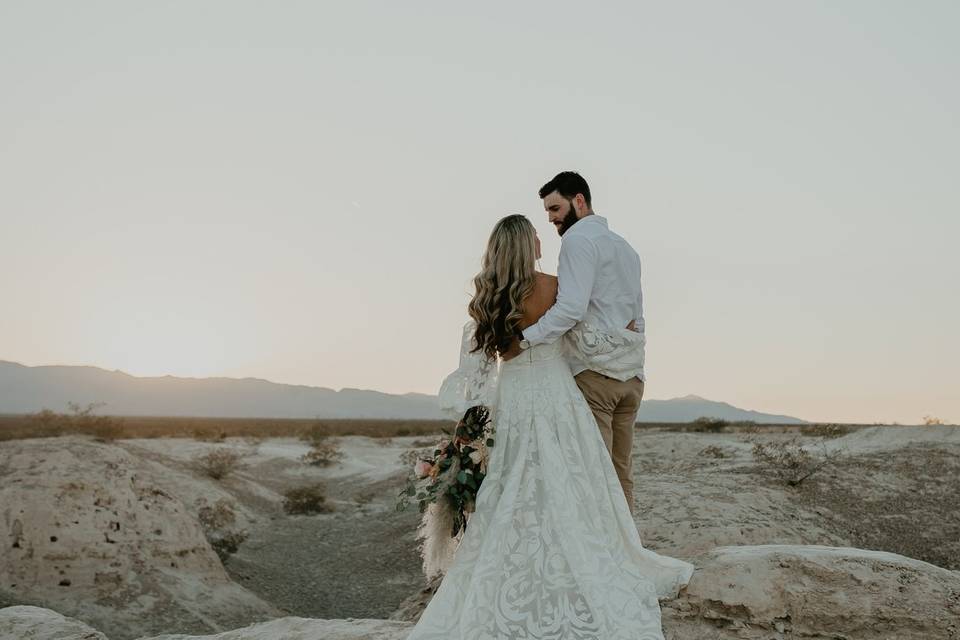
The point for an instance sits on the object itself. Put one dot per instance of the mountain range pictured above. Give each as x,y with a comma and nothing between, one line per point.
26,389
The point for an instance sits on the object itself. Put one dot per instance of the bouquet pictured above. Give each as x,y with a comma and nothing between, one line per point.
446,486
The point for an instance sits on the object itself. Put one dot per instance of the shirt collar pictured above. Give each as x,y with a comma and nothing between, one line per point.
596,220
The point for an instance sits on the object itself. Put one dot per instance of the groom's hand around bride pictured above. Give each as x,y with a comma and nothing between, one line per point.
514,349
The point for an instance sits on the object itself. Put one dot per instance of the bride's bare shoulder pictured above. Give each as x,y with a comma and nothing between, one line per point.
546,282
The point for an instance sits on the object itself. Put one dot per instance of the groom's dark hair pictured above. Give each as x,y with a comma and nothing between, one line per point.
567,184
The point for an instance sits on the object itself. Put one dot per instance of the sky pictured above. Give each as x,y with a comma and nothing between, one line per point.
301,191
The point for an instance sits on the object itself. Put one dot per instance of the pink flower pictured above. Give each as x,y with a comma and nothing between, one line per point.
422,468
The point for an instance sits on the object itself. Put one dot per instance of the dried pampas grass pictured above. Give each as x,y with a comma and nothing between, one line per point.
437,546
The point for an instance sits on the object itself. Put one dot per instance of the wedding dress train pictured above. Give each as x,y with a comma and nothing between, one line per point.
551,551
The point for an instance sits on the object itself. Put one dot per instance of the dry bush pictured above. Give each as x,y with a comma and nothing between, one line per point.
210,435
82,420
713,451
218,516
706,424
219,463
322,454
365,497
227,543
790,462
825,430
13,427
932,421
215,520
306,500
47,423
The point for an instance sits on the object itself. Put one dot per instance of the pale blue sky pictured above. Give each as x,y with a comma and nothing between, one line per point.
300,191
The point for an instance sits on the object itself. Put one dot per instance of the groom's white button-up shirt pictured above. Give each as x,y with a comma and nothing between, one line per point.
599,275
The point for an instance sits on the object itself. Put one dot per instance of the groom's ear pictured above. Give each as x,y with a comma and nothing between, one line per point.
580,204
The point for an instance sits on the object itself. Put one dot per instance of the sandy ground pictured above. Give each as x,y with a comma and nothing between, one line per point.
896,489
358,561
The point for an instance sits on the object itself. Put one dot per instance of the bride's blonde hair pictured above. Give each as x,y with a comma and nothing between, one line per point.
506,278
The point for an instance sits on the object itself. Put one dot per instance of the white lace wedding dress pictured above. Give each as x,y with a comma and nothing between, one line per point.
551,551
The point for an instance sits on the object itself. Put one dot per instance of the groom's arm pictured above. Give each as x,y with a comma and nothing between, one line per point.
638,324
576,272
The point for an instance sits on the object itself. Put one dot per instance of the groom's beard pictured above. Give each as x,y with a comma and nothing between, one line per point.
568,220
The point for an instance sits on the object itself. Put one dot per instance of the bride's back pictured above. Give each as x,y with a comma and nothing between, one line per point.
542,297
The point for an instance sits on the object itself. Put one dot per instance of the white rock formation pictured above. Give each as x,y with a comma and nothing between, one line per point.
37,623
34,623
88,532
785,591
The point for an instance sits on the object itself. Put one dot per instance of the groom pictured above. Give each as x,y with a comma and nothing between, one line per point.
599,281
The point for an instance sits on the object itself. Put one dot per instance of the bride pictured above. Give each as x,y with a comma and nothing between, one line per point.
551,551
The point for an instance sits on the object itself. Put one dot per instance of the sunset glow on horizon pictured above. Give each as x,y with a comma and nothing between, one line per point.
302,194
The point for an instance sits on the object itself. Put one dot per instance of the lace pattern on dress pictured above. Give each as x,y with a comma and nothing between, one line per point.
618,353
473,383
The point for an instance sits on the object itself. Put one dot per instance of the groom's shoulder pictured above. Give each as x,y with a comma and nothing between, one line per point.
621,246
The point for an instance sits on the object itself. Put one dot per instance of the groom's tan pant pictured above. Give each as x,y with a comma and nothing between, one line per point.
614,404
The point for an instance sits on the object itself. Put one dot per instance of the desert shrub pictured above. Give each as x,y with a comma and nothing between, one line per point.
218,463
323,453
365,497
824,430
47,423
216,521
790,462
217,434
217,516
227,543
82,420
931,421
705,424
713,451
306,500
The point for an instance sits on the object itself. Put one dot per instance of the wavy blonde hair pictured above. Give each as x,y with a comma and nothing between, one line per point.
506,278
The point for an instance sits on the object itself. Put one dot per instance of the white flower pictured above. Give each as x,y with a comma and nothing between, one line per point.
476,457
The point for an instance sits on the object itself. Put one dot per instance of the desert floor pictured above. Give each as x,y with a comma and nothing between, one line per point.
892,488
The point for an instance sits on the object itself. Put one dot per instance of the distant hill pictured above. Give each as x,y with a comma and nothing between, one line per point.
689,408
26,389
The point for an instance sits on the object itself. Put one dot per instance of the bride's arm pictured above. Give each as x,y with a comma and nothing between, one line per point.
473,383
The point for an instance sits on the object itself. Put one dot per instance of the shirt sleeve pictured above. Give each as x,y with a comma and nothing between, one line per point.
639,324
576,271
